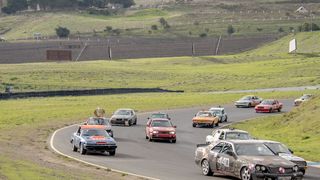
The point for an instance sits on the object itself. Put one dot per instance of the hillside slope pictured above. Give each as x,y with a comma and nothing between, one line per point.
299,129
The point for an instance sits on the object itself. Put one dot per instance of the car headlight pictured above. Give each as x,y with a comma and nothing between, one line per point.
295,168
155,132
172,132
260,168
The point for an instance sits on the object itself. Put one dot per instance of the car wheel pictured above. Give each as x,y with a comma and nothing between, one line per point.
206,170
226,120
237,106
245,174
270,110
82,150
130,123
147,137
112,153
249,105
217,124
150,140
135,122
74,148
194,124
279,110
173,141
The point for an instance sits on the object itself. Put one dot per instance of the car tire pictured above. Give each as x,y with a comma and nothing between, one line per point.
135,122
279,110
82,150
194,125
270,110
74,147
245,174
150,140
112,153
130,122
237,106
205,166
226,120
217,124
147,137
249,105
173,141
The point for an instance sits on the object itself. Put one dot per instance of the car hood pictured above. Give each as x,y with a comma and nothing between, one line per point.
163,129
203,118
290,157
243,101
269,161
94,139
120,116
264,105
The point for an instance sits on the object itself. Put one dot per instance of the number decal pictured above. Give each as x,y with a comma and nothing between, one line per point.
223,161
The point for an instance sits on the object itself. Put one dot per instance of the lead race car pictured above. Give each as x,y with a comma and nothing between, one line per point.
246,160
100,120
93,138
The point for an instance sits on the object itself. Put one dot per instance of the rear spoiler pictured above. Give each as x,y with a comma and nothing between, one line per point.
202,145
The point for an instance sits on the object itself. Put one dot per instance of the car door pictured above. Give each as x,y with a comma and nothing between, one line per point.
76,137
148,128
213,155
226,160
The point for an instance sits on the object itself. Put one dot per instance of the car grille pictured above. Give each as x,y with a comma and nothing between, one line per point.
260,107
300,163
164,132
121,119
276,170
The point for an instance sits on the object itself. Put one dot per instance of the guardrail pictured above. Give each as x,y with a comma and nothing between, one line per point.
86,92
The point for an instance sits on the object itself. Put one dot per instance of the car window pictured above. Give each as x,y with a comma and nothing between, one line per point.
226,147
278,148
161,123
253,149
237,135
94,132
122,112
217,148
221,137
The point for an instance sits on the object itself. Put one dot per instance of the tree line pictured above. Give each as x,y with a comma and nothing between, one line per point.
20,5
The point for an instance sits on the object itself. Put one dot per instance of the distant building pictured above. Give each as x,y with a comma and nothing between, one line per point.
302,10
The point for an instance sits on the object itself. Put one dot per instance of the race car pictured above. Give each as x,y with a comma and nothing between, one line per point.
207,118
161,129
100,121
220,112
93,138
248,101
159,115
283,151
227,134
302,99
244,159
125,117
269,105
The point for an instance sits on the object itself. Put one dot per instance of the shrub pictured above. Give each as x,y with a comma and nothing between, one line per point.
230,30
62,32
108,29
154,27
203,35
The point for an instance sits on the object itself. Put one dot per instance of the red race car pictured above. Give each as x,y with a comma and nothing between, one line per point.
161,129
269,105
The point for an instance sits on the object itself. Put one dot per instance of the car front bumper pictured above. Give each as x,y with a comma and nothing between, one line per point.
260,175
163,136
97,147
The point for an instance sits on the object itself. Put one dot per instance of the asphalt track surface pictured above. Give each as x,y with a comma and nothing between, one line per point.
161,160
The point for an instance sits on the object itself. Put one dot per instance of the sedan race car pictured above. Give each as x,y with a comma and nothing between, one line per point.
100,121
302,99
284,152
227,134
244,159
220,112
207,118
161,129
269,105
248,101
93,138
126,117
159,115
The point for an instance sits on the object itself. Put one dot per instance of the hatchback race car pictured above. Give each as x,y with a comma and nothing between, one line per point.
227,134
159,115
244,159
207,118
220,112
100,121
125,117
93,138
302,99
161,129
283,151
248,101
269,105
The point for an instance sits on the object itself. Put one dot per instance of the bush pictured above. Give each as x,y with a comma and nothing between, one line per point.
202,35
280,30
164,23
108,29
259,29
116,32
308,27
230,30
62,32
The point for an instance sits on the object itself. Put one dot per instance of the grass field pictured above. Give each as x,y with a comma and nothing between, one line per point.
298,129
257,69
250,17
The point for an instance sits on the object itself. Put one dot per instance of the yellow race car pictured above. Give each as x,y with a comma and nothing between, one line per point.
206,118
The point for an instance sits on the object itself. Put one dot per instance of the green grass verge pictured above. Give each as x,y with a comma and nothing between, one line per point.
299,129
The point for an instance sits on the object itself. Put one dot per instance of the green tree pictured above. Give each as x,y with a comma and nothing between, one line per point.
15,5
230,30
164,23
62,32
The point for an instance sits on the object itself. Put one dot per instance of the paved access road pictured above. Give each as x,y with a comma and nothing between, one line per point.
161,160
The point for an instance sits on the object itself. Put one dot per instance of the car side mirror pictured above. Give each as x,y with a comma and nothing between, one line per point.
209,139
169,118
85,123
174,126
148,118
291,151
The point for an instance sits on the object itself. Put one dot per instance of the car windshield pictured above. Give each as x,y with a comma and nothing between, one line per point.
159,115
278,148
94,132
98,121
246,98
267,102
237,135
215,111
252,149
306,96
122,112
161,124
204,114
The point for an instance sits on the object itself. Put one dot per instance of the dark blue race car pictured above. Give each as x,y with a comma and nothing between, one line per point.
93,138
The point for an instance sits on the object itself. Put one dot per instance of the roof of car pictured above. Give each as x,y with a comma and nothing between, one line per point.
232,130
126,109
216,108
92,126
160,119
237,141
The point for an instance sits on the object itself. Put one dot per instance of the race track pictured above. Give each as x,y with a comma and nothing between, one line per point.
161,160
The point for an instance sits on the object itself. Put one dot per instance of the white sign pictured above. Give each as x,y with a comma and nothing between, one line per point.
292,45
